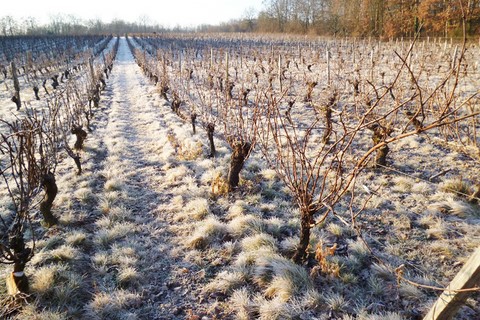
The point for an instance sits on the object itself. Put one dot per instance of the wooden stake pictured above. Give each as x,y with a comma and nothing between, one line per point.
450,300
92,71
328,67
280,71
454,57
226,68
372,63
211,58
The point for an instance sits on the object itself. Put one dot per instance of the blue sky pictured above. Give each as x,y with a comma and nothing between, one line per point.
169,13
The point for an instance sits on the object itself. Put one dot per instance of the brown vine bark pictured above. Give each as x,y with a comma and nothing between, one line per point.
81,136
380,134
237,160
17,281
305,228
75,157
50,186
193,118
310,87
35,90
210,131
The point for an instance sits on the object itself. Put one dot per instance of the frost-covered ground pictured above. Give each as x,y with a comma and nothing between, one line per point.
146,233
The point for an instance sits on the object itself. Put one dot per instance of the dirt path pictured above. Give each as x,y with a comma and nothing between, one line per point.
137,242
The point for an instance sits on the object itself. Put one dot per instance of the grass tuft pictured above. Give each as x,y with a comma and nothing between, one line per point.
196,209
84,195
246,225
274,309
241,304
457,186
113,305
75,238
207,232
269,269
336,302
258,241
456,207
225,282
128,276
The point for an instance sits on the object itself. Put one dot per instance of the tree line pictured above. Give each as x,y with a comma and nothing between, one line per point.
72,25
359,18
380,18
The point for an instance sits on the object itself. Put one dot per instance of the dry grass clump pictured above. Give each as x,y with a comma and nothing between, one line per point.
382,271
196,209
189,150
273,309
259,241
421,187
268,174
113,184
359,249
70,217
225,282
240,302
349,278
207,232
34,312
62,253
384,316
282,288
409,292
211,174
176,203
101,261
280,277
126,255
128,276
402,184
59,287
105,222
441,249
114,232
335,229
246,260
427,220
219,186
457,186
237,209
246,225
120,213
437,230
84,195
75,238
358,256
64,201
44,279
276,227
113,305
376,286
49,243
289,245
270,191
176,174
336,302
455,207
107,202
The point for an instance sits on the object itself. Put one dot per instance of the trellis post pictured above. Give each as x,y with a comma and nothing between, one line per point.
453,297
